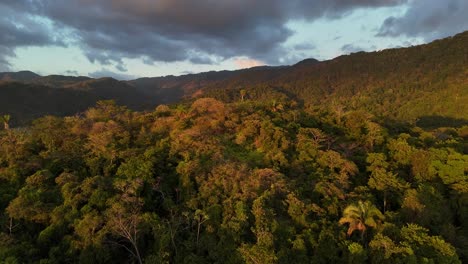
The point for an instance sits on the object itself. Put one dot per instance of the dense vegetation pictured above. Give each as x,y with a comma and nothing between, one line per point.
404,84
243,182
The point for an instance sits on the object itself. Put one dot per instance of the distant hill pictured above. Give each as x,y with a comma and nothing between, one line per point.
60,80
26,101
307,62
170,89
404,83
22,76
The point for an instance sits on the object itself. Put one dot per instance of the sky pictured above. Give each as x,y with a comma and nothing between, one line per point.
127,39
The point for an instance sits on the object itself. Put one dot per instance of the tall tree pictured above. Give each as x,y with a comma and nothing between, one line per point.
243,93
6,121
125,217
382,179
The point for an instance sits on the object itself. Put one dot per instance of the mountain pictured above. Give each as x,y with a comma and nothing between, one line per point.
25,101
307,62
18,76
60,80
404,83
170,89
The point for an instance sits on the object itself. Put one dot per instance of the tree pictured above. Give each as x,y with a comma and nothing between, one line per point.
360,216
6,120
263,251
107,110
243,93
381,178
36,200
125,218
384,250
106,139
200,217
429,249
125,222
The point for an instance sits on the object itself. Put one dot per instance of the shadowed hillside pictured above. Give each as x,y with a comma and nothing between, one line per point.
18,76
403,84
25,101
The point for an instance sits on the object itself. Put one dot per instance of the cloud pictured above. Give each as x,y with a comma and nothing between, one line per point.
243,63
201,60
107,73
351,48
109,31
121,67
21,30
187,72
5,52
430,19
71,72
304,46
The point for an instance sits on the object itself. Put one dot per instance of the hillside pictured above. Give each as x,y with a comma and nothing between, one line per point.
60,80
405,84
24,76
26,101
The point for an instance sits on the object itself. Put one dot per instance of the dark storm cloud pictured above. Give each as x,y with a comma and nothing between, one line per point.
5,52
18,29
429,19
201,60
203,31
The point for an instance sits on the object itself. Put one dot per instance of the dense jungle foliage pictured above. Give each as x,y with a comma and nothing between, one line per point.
251,181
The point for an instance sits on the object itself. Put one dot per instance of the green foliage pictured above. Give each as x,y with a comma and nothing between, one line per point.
360,216
243,182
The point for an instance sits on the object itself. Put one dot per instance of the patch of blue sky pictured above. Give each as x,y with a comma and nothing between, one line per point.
357,29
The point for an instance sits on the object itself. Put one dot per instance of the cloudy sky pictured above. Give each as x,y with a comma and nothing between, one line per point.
131,38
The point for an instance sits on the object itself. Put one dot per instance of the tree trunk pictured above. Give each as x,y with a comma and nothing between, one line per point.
384,201
137,253
198,232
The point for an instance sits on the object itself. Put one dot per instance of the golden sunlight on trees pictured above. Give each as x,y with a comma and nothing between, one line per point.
5,119
216,182
360,216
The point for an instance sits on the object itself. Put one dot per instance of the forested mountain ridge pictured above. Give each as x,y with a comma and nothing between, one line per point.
403,83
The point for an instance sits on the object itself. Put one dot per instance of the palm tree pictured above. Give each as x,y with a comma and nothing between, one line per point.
6,119
360,216
243,93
